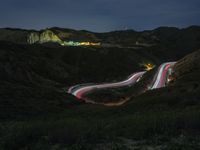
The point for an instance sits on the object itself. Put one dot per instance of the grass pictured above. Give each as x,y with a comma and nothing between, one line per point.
82,128
152,120
37,114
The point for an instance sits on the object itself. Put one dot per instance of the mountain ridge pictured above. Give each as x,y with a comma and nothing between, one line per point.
130,31
38,113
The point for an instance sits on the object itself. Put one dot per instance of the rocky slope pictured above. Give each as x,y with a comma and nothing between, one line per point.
185,78
37,113
44,37
35,76
40,117
187,65
14,35
167,40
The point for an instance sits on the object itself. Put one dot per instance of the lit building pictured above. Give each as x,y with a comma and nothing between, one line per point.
72,43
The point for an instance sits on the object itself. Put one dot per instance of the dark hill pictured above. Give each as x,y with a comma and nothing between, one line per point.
14,35
177,42
37,113
34,77
166,118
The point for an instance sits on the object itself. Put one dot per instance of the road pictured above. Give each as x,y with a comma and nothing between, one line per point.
80,90
161,76
160,79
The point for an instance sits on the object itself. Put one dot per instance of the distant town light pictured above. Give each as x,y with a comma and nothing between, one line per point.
72,43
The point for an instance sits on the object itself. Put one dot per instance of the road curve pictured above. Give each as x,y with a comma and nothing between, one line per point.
160,79
161,76
79,91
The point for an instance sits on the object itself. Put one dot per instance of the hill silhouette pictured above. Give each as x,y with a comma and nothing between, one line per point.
37,113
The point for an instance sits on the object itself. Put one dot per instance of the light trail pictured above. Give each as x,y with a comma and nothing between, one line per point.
79,92
160,79
162,75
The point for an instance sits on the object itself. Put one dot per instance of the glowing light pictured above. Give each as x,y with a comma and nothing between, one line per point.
72,43
149,66
50,36
89,44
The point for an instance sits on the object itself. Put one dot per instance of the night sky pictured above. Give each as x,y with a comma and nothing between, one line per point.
99,15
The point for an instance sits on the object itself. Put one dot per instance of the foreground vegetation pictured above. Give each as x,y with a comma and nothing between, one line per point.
163,122
37,113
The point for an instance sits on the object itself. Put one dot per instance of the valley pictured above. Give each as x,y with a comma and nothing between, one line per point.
137,90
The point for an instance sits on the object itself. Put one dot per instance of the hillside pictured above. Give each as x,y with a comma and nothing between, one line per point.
14,35
166,118
37,113
185,78
188,66
170,41
40,74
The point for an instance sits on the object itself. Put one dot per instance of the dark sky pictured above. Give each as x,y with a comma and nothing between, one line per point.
99,15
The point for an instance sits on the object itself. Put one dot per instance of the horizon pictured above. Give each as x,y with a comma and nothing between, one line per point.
18,28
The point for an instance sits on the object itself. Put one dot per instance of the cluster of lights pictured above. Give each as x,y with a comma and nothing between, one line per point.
72,43
148,66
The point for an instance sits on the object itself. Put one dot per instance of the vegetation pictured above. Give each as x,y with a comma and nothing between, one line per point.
37,113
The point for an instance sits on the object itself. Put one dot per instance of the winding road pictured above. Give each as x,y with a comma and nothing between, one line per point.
161,76
160,80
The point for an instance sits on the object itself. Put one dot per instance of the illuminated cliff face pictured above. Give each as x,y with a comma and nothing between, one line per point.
34,37
44,37
49,36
